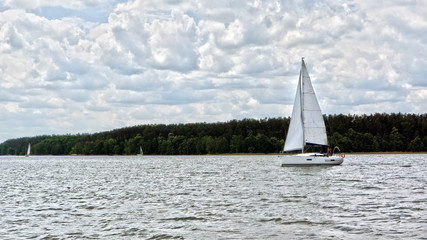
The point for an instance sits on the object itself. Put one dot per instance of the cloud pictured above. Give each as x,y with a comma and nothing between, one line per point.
173,43
85,66
77,4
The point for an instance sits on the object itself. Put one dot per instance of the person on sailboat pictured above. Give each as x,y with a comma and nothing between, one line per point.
329,152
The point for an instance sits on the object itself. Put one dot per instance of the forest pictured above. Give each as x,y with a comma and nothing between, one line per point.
352,133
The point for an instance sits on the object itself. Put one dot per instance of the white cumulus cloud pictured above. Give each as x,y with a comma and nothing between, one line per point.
84,66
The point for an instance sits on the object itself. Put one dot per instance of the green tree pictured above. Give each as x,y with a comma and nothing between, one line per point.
396,140
237,144
188,147
263,144
201,147
377,132
109,146
222,145
416,145
88,148
376,144
250,143
210,145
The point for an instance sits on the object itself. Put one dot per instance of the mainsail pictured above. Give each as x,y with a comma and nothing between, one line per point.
307,126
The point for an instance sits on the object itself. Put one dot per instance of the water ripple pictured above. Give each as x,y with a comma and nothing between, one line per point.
212,197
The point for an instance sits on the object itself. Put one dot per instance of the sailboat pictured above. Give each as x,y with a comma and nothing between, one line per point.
307,128
141,153
28,150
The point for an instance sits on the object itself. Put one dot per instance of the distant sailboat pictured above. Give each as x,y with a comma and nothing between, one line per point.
307,127
28,150
141,153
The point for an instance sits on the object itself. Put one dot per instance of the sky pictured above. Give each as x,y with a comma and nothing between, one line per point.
86,66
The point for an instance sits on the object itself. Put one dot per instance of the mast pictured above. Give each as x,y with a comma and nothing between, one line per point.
302,102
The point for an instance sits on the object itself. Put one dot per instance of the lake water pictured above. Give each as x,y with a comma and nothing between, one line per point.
212,197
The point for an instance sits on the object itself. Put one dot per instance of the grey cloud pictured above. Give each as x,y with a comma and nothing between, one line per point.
76,4
97,108
7,96
76,95
120,62
145,81
173,43
166,44
39,104
187,96
12,37
205,61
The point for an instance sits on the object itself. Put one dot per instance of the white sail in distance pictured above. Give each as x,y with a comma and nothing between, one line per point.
28,150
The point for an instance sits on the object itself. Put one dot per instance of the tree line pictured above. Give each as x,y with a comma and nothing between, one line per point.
352,133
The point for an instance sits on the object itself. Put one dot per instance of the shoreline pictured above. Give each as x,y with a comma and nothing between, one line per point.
222,154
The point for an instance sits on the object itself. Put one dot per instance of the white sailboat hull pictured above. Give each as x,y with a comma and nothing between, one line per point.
311,159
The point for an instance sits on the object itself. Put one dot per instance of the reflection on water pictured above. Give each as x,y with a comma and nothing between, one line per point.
200,197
